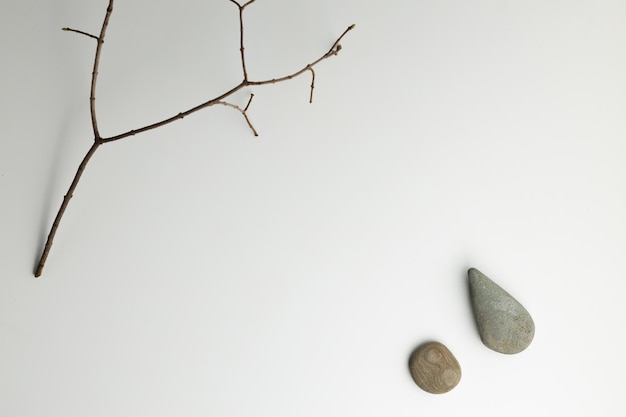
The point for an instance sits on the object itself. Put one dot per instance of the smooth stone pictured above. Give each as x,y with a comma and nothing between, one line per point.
434,368
503,323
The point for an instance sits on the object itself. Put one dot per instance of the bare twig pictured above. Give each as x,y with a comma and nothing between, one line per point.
66,201
331,52
312,84
176,116
249,101
96,144
242,6
242,111
94,74
241,48
334,50
99,140
81,32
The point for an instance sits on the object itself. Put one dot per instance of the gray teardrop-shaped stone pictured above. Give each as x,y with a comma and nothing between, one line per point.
503,323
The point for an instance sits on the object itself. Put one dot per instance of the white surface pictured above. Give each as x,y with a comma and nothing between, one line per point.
200,271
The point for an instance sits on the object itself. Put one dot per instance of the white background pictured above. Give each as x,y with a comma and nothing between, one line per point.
200,271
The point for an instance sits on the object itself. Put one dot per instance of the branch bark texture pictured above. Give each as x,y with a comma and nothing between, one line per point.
98,140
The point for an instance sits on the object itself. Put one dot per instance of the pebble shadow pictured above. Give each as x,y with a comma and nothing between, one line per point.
468,297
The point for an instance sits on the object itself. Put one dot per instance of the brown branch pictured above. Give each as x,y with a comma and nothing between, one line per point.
312,84
81,32
178,116
334,50
242,111
94,74
241,47
244,5
99,140
336,46
96,144
66,200
249,101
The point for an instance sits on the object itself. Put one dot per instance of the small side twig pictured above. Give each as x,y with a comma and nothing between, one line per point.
312,84
242,111
249,101
81,32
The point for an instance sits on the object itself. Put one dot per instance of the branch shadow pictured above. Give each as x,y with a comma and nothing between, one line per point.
52,181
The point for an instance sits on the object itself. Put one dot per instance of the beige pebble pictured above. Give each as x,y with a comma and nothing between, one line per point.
434,368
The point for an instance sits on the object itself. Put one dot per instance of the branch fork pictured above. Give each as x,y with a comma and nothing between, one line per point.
243,112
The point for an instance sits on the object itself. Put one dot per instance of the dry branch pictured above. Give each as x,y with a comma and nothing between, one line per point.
99,140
